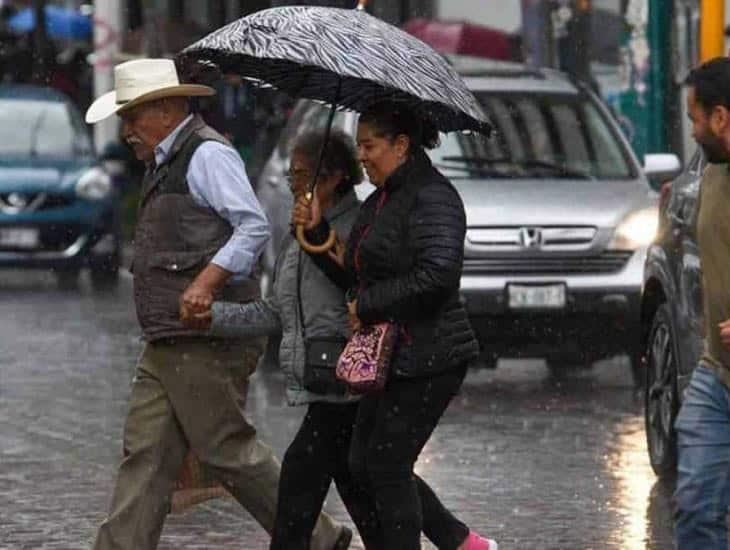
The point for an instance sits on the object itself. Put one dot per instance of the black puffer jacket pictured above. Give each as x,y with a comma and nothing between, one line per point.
404,257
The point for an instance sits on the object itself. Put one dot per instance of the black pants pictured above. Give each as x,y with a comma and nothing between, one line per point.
317,455
390,430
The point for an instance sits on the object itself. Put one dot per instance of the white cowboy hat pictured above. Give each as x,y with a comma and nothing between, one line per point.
139,81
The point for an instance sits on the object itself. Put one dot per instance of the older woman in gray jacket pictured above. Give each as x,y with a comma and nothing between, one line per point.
306,304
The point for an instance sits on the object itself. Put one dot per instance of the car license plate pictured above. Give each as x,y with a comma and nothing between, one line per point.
536,296
18,237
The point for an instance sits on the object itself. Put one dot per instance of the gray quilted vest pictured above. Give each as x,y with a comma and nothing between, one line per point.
175,239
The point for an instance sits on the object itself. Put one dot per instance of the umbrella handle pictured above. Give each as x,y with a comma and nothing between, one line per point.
313,248
361,5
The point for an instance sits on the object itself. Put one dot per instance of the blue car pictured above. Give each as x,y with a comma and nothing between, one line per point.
58,206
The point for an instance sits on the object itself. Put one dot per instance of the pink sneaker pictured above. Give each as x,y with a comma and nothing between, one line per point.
476,542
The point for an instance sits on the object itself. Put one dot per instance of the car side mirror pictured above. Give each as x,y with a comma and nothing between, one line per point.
660,167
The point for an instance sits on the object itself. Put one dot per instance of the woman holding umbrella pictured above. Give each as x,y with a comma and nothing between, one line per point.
402,264
319,452
404,255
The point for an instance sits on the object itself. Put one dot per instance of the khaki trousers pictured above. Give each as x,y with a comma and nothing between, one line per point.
190,393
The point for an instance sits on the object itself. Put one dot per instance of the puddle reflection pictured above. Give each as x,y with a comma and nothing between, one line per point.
642,501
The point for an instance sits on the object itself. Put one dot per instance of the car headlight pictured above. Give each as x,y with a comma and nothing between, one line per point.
94,185
114,167
637,229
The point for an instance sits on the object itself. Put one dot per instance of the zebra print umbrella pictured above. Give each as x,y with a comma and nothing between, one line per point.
344,57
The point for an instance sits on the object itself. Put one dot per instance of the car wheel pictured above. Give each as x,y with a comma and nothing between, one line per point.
638,374
487,360
67,279
104,270
562,365
106,276
661,402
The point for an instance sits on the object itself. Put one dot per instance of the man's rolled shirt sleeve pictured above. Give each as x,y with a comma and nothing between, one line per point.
217,179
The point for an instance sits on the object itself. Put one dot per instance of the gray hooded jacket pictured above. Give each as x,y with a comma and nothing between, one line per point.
323,305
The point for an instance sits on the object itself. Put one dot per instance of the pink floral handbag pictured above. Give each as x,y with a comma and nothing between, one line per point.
365,361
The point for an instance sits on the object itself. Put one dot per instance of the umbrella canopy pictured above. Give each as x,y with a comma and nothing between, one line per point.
345,57
60,22
460,37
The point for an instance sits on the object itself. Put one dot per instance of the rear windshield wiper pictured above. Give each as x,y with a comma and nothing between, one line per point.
561,170
478,160
475,170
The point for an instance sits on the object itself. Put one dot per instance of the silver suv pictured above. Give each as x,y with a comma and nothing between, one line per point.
559,215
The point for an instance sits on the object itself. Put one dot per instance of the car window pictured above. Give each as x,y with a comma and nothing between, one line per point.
687,184
571,136
321,114
697,164
537,135
307,116
683,203
38,128
541,142
82,144
290,131
507,135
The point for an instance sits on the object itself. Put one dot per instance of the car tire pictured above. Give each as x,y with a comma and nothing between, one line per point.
562,365
487,360
638,374
104,270
103,278
67,279
661,402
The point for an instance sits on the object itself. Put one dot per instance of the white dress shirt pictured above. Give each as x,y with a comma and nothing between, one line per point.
217,179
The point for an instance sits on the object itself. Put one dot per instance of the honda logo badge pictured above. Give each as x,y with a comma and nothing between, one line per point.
531,237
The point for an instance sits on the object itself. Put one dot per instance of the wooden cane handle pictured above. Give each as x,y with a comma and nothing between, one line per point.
314,248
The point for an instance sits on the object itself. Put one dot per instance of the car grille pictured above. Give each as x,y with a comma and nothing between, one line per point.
56,201
51,238
16,203
607,262
57,238
496,239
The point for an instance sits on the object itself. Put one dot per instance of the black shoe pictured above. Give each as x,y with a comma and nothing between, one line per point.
344,540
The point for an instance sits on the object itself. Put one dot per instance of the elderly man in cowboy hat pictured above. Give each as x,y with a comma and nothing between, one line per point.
200,231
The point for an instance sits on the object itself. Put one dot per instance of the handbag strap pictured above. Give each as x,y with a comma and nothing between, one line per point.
300,307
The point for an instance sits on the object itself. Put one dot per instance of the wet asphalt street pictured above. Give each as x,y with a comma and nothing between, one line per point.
535,462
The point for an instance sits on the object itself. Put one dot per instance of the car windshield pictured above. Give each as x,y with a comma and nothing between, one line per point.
536,136
37,128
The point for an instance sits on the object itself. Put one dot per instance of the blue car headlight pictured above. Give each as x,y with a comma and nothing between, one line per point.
94,185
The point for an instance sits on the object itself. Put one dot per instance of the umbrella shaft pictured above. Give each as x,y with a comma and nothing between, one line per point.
327,131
